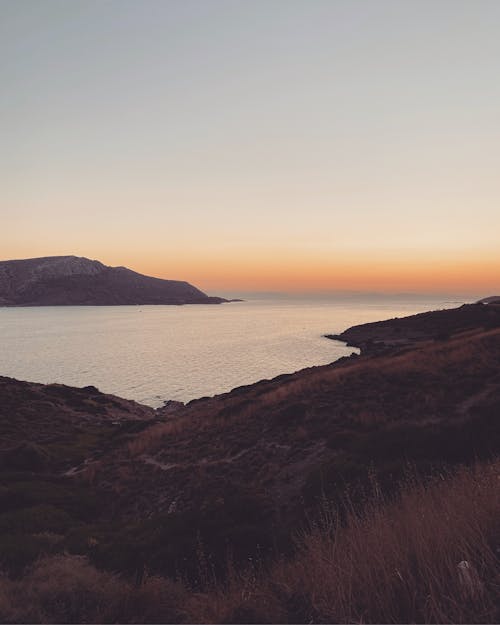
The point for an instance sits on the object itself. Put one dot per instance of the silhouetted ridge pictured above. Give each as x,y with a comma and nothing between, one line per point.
493,299
71,280
405,331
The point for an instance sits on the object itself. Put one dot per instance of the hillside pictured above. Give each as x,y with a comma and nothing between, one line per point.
402,332
253,461
493,299
49,427
73,281
178,491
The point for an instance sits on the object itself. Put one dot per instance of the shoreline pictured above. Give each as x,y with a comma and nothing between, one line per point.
129,488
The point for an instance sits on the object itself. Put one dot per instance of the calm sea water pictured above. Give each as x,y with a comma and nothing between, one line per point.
155,353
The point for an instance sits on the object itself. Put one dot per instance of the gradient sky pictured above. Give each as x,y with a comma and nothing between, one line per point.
256,144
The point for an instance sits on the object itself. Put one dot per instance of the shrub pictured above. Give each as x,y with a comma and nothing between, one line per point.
67,589
42,518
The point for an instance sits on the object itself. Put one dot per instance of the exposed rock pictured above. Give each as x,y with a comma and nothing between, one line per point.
73,281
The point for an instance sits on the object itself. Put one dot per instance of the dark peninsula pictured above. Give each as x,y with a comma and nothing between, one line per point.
75,281
398,333
493,299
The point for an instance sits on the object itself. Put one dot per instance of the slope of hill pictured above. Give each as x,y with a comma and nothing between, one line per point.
406,331
240,471
49,427
73,281
493,299
272,450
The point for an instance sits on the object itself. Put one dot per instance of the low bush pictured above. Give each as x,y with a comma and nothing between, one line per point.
67,589
42,518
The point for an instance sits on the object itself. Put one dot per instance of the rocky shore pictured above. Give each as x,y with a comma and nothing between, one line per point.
399,333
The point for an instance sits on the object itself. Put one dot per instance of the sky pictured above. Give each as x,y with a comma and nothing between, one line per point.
286,145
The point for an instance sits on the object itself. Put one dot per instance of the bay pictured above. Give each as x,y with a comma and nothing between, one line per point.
158,353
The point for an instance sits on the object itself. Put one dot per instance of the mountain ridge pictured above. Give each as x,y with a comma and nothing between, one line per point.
492,299
79,281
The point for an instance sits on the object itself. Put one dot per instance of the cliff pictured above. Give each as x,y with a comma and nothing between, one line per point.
73,281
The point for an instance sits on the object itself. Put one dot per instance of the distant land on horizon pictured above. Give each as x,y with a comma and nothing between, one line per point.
79,281
355,295
493,299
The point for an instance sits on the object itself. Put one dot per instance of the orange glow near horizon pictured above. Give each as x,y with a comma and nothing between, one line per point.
287,273
356,147
283,269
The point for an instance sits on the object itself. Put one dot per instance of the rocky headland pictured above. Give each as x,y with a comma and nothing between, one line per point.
492,299
399,333
75,281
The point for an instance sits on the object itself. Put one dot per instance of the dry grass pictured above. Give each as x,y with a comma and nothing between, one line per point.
153,438
430,557
469,358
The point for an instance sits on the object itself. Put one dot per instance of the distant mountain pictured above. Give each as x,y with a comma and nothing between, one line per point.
493,299
75,281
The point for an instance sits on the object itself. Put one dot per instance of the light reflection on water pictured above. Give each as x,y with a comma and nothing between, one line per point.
155,353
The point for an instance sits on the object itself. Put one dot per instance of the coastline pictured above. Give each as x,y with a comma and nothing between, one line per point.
129,488
399,333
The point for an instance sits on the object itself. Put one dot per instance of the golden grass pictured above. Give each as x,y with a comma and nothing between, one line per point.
152,438
428,557
431,555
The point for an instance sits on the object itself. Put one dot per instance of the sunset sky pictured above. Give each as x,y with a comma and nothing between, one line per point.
292,145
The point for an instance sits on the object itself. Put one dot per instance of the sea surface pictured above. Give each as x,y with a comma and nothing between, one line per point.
157,353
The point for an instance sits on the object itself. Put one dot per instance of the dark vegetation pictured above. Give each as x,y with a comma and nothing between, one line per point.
493,299
429,554
439,325
195,514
